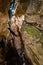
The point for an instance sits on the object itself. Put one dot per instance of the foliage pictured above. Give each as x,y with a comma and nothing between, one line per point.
32,30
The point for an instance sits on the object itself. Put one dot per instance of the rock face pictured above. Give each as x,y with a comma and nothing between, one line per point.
34,12
30,35
33,46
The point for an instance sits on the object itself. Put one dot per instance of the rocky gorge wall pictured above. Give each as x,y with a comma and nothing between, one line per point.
31,31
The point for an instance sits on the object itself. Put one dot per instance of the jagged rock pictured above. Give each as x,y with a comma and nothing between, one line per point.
34,12
32,18
33,47
32,37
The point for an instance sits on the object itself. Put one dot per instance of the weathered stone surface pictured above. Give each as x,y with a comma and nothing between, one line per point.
32,36
33,47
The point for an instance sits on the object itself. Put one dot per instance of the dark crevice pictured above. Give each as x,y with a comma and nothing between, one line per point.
11,56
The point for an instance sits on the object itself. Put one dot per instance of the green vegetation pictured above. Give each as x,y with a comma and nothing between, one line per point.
31,30
41,39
